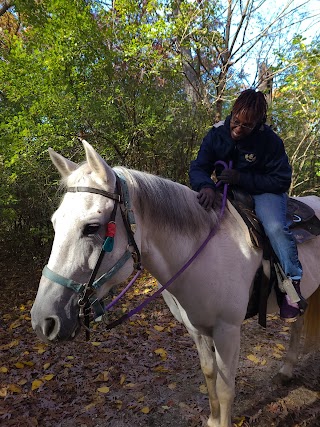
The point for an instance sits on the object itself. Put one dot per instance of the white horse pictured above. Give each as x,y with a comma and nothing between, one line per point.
210,297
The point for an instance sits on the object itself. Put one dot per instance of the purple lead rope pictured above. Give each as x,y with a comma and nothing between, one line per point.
125,290
182,269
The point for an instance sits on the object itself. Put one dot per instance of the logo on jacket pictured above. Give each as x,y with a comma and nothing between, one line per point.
250,158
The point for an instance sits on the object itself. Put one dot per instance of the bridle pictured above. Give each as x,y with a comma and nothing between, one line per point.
88,301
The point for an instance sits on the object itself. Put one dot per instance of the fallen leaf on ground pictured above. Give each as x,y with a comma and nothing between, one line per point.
104,389
36,384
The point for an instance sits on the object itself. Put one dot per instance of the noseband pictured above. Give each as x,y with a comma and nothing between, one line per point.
88,300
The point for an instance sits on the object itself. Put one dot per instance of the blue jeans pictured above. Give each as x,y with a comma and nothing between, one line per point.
271,209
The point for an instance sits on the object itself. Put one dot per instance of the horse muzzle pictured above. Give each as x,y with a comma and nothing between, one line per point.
52,328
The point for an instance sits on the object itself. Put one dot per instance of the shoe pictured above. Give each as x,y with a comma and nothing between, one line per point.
290,311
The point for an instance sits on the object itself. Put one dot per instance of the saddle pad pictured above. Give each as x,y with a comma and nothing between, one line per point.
298,211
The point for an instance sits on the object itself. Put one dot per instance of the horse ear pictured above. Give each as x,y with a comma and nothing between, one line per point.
96,162
64,166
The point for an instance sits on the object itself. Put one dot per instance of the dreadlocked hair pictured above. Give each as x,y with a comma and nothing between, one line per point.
253,104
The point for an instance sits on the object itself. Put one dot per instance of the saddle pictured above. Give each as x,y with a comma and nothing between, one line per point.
304,224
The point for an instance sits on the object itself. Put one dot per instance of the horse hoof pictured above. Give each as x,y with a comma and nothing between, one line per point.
212,423
281,379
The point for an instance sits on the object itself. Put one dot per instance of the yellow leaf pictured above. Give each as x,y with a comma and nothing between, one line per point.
41,348
129,385
3,370
118,404
272,317
3,392
13,343
122,379
277,355
14,388
70,357
145,410
23,381
104,389
48,377
263,362
203,389
28,363
161,352
68,365
91,405
280,347
158,328
96,343
239,421
19,365
160,369
253,358
46,365
172,386
15,324
103,376
36,384
142,322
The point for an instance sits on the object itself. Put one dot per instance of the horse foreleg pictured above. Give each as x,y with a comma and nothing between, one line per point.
226,339
208,365
286,371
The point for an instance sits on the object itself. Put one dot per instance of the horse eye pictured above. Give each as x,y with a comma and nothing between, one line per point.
90,229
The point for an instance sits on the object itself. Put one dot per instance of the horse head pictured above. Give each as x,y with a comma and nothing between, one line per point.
85,241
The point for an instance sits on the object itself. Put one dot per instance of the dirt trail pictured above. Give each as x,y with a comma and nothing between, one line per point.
144,373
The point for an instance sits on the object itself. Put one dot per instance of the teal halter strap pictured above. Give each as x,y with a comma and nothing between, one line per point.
80,287
68,283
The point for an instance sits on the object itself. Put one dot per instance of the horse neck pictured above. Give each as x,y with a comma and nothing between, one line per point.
165,248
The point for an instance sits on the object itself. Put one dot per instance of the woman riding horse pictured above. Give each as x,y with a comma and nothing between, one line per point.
261,168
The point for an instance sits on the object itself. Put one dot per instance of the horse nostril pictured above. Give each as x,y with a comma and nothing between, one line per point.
51,328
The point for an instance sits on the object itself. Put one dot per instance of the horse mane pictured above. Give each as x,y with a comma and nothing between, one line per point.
168,204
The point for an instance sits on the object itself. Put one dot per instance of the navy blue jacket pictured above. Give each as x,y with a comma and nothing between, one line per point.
260,158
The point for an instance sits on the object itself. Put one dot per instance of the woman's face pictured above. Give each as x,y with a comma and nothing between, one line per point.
241,126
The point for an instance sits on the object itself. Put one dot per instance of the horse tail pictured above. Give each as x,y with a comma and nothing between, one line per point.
311,327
